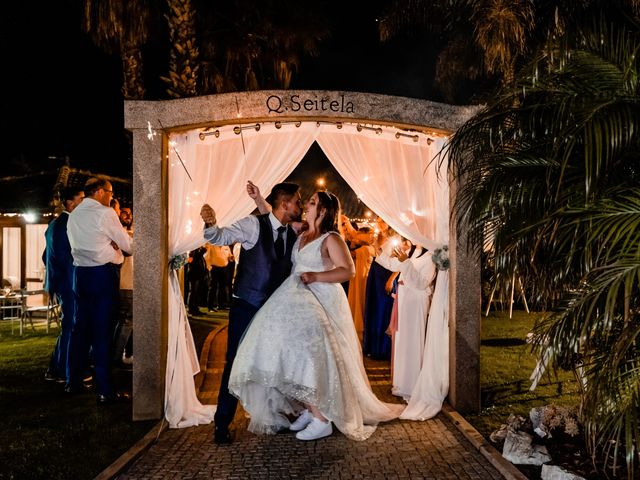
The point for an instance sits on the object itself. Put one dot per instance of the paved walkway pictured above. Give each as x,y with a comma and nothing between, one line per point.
434,449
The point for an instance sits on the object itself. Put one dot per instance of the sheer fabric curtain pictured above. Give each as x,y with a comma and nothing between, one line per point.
214,171
398,178
392,176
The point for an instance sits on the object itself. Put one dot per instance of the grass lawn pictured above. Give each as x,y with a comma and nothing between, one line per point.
506,362
45,434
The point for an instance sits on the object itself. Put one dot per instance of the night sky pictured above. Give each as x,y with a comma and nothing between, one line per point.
63,96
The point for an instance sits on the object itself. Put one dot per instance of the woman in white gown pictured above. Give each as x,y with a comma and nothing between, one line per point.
301,353
417,273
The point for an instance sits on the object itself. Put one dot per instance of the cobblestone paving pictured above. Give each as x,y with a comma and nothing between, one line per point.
433,449
398,450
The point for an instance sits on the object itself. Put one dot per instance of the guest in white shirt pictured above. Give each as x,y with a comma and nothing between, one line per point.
98,241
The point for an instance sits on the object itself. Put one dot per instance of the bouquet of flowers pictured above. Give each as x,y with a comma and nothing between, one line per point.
441,258
178,261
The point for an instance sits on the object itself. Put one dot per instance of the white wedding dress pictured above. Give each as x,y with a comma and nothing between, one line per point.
302,345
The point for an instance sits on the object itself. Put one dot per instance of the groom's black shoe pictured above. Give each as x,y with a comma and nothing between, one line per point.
221,436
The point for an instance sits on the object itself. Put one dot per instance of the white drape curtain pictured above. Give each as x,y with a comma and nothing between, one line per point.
399,180
214,171
395,177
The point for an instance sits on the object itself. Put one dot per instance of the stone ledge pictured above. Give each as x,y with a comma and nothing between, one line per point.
506,468
131,455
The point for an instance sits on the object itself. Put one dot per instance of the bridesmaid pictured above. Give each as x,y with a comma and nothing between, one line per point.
378,303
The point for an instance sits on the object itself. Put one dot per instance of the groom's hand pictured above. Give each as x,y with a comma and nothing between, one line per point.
208,215
309,277
252,190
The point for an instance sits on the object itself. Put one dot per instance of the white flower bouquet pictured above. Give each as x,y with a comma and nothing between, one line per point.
441,257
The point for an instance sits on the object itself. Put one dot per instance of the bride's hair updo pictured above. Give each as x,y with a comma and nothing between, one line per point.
331,204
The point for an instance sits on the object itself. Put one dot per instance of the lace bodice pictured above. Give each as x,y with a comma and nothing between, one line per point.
309,258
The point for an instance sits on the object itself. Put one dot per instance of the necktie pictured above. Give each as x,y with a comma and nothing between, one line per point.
279,243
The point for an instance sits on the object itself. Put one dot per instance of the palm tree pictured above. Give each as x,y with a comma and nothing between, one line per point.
246,48
183,58
122,28
552,172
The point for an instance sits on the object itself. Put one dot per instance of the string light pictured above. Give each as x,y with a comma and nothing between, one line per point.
28,216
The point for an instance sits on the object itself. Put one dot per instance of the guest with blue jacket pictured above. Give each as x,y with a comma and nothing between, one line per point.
59,280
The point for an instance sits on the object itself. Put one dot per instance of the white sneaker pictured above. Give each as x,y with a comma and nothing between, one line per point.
315,430
302,421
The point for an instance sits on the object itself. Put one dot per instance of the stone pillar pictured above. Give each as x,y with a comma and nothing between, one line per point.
464,319
150,284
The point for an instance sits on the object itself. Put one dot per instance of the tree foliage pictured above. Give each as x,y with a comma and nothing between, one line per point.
213,47
552,170
489,39
250,47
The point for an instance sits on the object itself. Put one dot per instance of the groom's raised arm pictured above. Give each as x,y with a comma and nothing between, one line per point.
245,231
254,192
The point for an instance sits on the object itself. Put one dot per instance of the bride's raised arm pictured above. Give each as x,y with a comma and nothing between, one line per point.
340,256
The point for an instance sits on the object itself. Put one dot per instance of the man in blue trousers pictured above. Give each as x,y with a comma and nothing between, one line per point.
98,241
59,280
265,261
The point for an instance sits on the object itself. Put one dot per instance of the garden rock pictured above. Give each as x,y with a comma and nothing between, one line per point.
554,472
537,421
514,423
519,450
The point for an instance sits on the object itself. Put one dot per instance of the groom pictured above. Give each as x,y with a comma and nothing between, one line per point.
265,261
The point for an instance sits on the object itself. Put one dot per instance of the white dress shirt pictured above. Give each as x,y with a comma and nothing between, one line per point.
245,231
91,229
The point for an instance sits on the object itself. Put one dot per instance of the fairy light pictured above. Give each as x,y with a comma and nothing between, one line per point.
405,219
419,213
151,132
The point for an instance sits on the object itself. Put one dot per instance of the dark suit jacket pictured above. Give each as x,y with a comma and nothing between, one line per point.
57,256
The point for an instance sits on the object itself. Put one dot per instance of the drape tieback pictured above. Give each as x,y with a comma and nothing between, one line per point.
178,261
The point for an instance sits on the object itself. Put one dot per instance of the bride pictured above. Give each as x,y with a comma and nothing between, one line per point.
301,354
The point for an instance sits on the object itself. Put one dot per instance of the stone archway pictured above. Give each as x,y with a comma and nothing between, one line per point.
151,121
